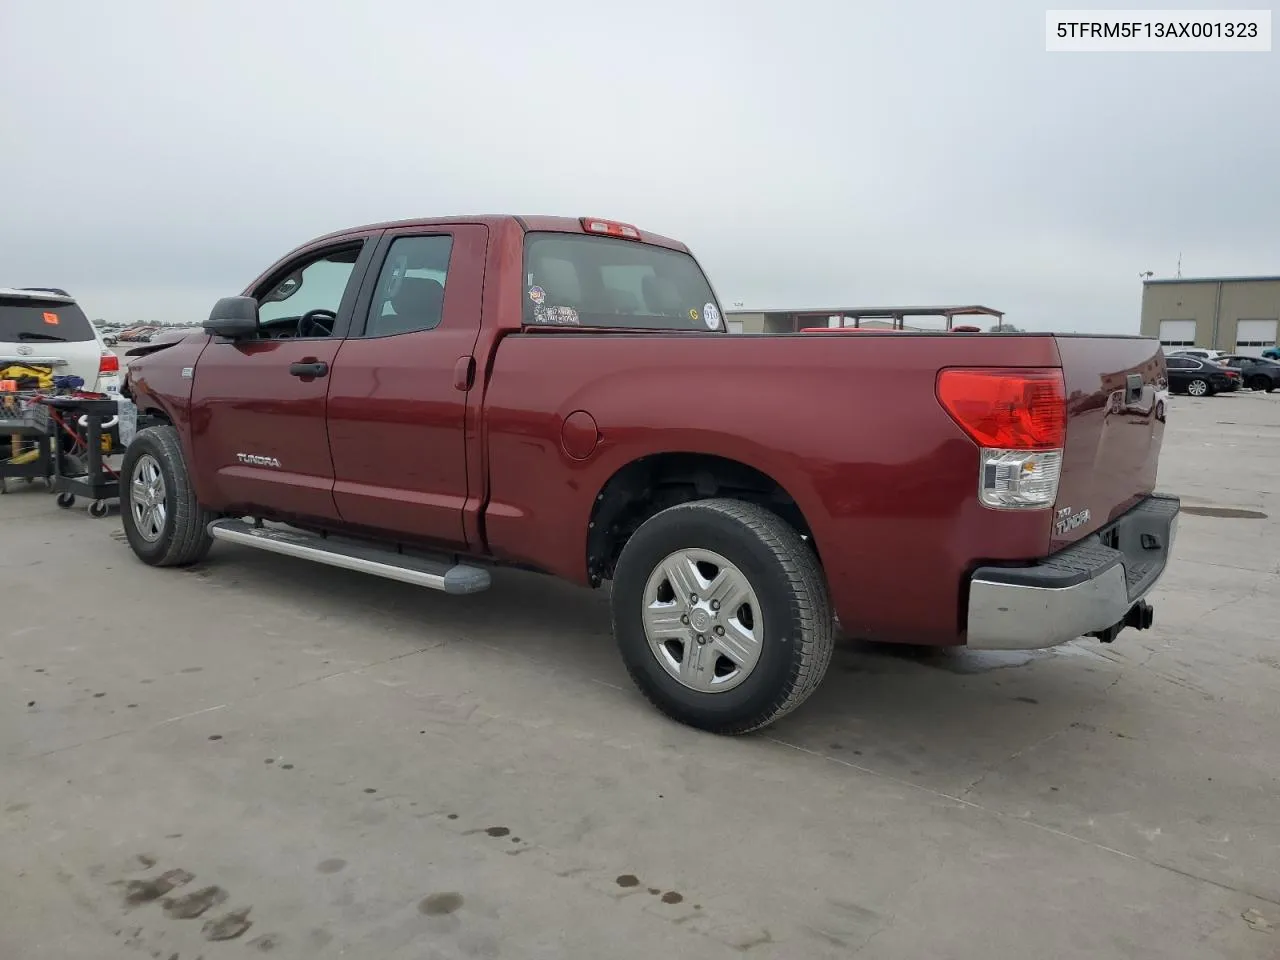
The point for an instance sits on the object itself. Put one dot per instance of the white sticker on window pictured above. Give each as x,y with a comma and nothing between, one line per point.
711,316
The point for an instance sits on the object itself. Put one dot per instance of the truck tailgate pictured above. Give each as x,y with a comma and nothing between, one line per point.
1115,393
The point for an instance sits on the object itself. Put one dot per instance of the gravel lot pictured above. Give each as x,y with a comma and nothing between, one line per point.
323,765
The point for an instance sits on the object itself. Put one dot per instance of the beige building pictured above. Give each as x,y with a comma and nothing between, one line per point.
1232,314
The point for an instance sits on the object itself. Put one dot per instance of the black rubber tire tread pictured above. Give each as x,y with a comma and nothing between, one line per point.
810,614
186,539
1260,384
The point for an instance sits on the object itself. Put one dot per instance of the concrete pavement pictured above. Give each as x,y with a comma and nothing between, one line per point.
320,764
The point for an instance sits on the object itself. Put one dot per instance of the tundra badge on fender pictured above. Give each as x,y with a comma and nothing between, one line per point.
257,461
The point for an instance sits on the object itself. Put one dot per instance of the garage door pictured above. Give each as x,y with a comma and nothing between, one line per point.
1254,336
1177,333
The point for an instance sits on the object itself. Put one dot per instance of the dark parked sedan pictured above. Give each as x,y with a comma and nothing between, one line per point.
1258,373
1200,378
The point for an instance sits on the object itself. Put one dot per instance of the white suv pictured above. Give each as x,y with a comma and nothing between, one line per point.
1213,356
47,328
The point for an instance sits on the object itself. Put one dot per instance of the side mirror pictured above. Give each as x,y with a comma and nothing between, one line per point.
233,318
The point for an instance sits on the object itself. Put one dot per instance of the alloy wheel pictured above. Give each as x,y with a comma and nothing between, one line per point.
703,620
147,498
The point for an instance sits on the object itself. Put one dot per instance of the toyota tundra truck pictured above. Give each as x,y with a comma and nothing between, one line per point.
426,400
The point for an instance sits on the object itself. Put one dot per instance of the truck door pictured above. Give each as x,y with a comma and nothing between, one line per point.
399,388
258,411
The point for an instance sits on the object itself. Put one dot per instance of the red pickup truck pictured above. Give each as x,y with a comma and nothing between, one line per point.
425,399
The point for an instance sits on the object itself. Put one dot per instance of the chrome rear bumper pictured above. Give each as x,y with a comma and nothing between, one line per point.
1087,589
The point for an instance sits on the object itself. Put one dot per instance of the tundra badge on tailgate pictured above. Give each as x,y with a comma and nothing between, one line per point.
1067,521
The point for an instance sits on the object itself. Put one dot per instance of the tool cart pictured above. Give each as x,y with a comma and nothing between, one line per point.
26,439
91,431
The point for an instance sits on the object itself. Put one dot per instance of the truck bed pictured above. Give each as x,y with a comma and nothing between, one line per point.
849,427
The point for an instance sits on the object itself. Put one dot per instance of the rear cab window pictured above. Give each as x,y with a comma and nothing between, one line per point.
580,280
35,320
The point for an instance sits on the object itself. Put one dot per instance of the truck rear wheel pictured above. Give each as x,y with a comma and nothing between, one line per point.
163,523
721,615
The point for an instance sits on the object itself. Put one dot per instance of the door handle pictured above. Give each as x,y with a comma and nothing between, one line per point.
464,373
309,368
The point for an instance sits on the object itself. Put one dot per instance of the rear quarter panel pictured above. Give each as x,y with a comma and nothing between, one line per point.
849,426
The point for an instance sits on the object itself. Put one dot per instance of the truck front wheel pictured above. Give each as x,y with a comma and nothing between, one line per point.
721,615
163,522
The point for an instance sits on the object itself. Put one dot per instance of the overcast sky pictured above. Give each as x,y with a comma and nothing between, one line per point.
159,154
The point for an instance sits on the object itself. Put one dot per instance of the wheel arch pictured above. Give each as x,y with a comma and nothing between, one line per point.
653,482
153,415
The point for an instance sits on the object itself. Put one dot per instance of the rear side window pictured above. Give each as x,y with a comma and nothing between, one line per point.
27,320
573,280
410,291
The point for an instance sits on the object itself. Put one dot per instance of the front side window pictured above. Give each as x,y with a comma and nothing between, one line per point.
574,280
310,295
409,295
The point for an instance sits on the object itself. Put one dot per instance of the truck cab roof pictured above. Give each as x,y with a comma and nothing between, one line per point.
529,224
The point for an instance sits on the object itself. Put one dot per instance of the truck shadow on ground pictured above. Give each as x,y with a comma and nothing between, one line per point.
924,714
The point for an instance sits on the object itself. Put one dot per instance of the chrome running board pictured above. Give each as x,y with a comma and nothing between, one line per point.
354,555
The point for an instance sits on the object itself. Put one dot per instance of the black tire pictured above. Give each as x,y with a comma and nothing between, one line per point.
783,572
1261,383
98,509
183,538
66,500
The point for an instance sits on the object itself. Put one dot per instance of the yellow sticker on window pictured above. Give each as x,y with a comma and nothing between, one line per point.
693,314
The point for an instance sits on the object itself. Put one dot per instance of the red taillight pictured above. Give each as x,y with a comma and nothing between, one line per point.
610,228
108,363
1007,409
